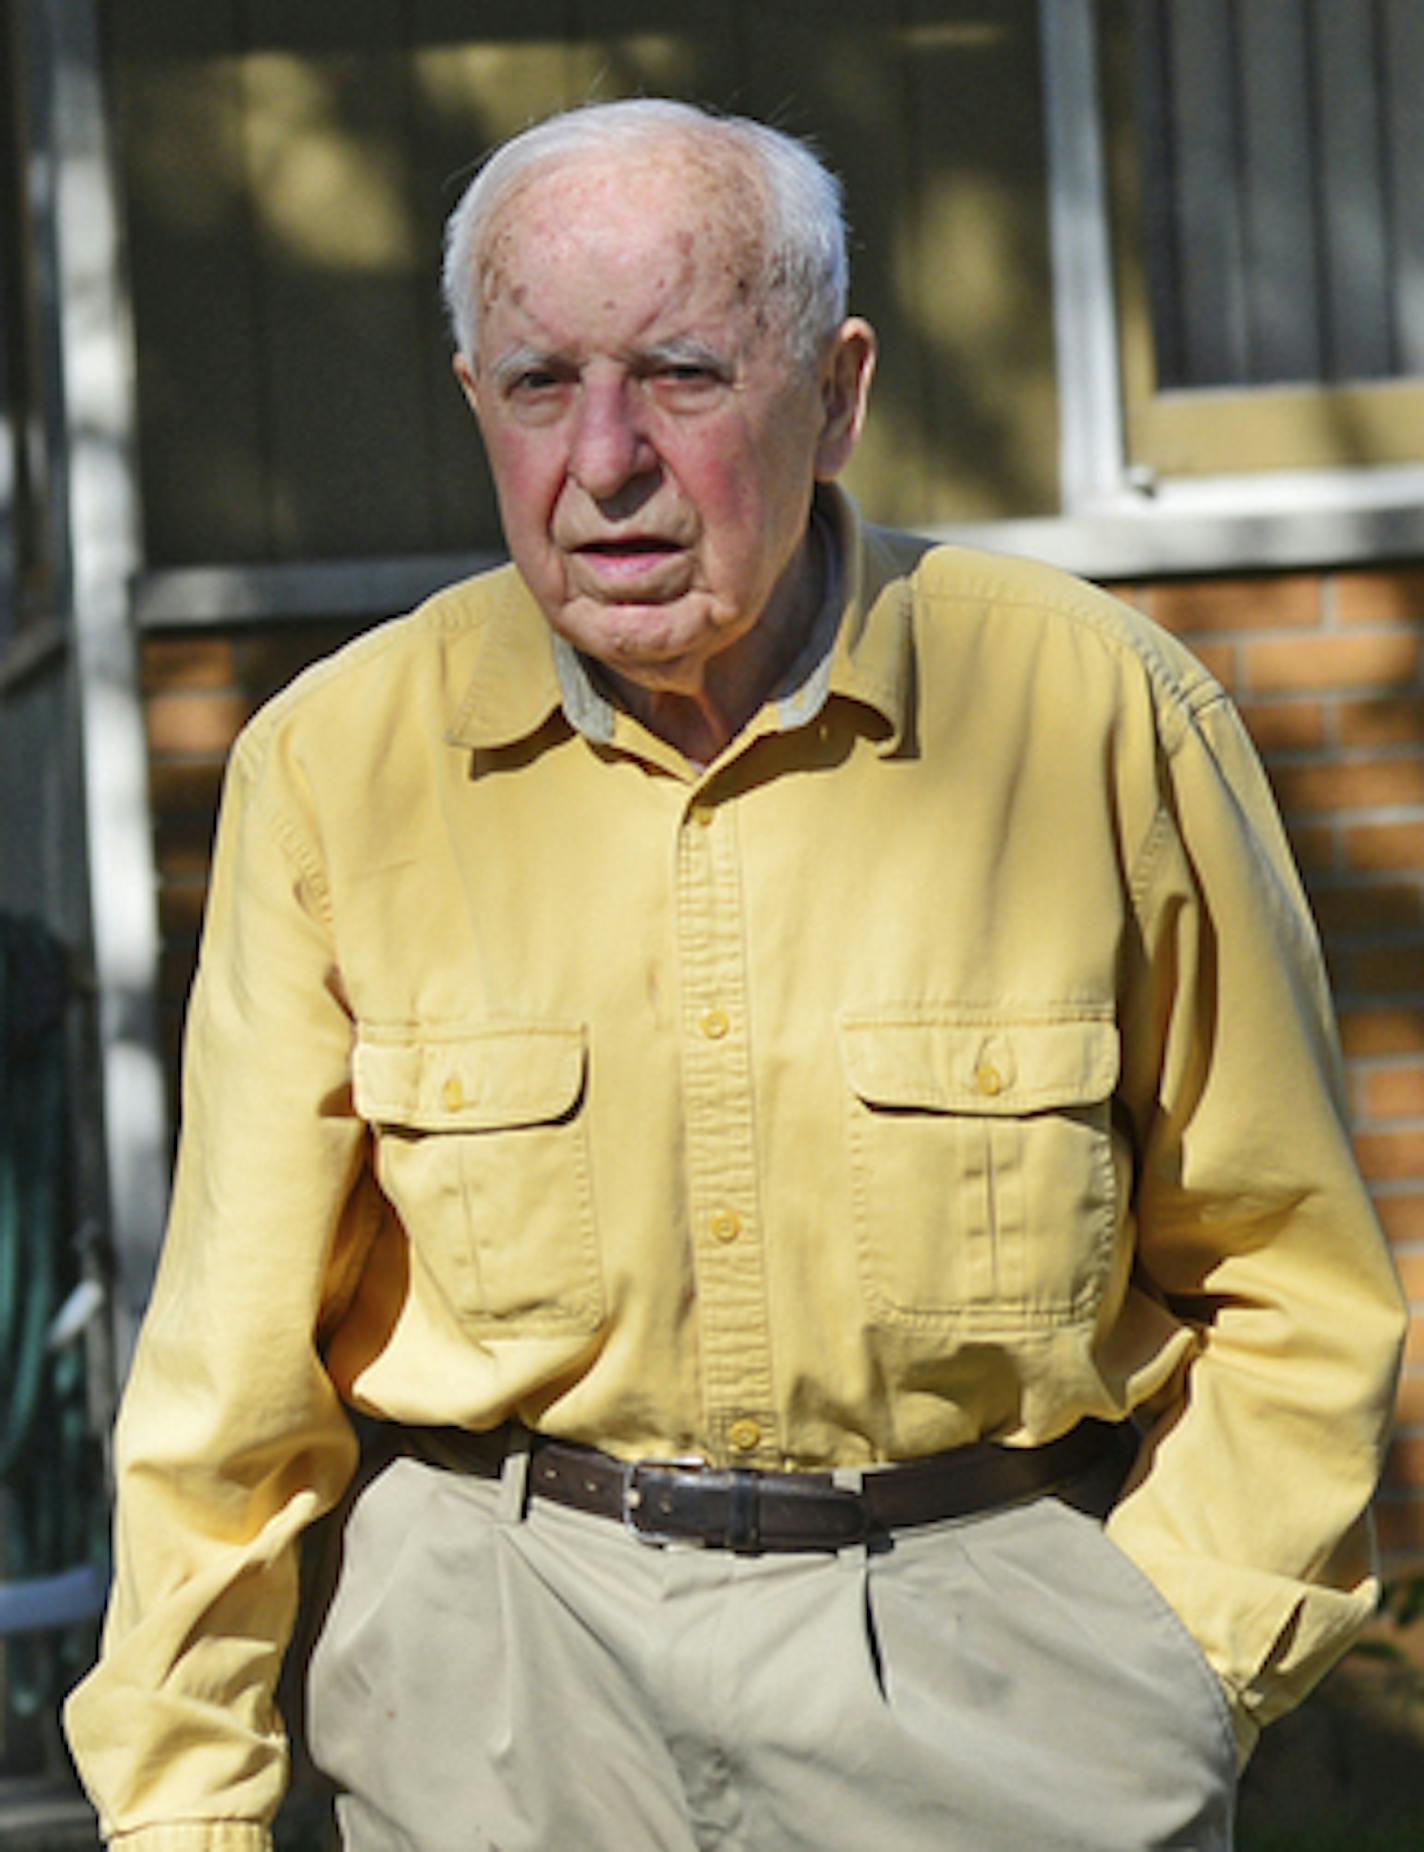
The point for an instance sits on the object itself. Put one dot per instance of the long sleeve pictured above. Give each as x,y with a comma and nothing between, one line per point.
231,1439
1249,1504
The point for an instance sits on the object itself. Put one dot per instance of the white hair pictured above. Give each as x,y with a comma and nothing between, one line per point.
804,235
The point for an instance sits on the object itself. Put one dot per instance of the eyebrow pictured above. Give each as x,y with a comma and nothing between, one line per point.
685,351
681,350
520,360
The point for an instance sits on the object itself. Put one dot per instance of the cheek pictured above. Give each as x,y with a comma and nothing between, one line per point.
732,491
753,504
526,480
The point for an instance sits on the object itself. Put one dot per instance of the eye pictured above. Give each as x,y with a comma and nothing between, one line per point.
685,384
532,382
536,391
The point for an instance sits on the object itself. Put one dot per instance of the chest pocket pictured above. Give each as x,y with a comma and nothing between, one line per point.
482,1148
982,1169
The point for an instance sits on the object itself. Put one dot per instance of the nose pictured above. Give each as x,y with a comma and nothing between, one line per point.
609,448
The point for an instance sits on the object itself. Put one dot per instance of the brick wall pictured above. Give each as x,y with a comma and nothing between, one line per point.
1327,670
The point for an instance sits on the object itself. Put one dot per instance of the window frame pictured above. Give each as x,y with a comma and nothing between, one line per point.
1120,518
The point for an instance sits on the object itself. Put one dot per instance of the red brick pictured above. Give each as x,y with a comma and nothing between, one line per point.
1404,1465
1218,659
1391,1155
191,785
199,722
1386,907
1389,969
1393,1092
1414,1344
1378,597
1330,661
1403,1219
1400,1525
187,662
1365,784
1409,1404
1282,601
183,838
1313,845
1385,845
1140,597
180,907
1389,720
1411,1273
1285,726
268,659
1382,1031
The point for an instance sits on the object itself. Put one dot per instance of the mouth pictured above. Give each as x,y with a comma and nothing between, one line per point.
630,556
629,544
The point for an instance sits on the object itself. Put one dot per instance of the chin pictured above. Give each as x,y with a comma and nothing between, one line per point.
639,634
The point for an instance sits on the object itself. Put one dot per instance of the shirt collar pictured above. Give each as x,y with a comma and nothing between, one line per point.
873,655
513,689
523,672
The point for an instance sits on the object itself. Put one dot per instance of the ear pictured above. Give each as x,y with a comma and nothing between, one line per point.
846,371
465,373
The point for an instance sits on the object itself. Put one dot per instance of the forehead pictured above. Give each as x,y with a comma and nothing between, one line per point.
695,213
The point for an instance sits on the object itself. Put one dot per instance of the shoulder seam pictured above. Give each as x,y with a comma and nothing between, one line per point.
249,759
1182,697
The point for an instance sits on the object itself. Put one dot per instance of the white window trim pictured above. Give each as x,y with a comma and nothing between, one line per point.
87,316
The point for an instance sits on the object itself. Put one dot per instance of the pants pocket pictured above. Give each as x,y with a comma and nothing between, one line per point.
1026,1658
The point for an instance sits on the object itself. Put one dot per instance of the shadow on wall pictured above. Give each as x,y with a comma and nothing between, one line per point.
288,171
1345,1773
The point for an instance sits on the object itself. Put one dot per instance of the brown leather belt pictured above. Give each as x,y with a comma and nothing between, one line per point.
751,1511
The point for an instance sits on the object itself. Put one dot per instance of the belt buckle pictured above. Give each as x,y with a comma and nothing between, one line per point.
637,1519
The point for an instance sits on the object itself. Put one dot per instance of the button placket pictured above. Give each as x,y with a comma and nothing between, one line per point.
734,1348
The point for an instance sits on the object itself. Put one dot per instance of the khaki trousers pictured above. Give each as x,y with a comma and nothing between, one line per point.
489,1679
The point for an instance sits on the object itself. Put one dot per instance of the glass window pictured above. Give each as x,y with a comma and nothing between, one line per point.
1268,160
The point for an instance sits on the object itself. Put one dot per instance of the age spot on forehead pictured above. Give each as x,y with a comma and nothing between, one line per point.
492,262
711,201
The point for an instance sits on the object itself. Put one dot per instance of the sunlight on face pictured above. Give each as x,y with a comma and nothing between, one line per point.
653,445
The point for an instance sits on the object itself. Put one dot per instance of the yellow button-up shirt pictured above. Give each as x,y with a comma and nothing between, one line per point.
950,1058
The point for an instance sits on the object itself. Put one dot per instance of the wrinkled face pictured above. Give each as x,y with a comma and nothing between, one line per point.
653,445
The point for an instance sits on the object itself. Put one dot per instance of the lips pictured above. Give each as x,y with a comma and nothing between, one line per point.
629,557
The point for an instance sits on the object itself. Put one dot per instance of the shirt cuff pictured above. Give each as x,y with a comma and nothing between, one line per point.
195,1836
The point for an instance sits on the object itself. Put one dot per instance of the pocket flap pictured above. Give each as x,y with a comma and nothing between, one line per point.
948,1065
497,1076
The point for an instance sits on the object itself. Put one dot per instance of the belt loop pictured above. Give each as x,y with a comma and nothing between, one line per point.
514,1476
850,1479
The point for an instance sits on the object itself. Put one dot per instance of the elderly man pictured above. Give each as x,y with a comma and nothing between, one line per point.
785,1073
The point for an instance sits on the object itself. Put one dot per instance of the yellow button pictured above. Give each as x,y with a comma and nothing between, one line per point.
988,1078
452,1094
715,1024
744,1435
702,815
725,1224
